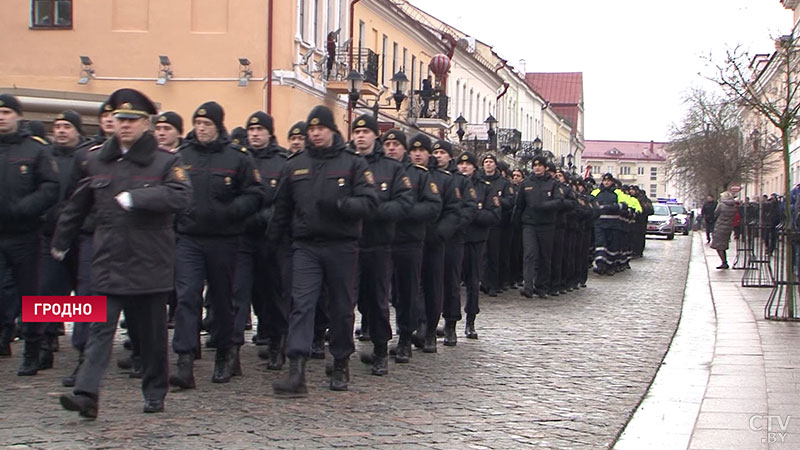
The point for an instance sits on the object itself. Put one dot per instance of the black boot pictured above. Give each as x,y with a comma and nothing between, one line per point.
52,343
84,404
404,352
418,336
341,375
45,358
30,359
469,330
277,353
222,367
6,336
450,336
236,363
136,367
184,379
430,341
69,380
380,360
295,384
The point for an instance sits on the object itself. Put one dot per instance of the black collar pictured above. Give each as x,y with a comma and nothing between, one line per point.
141,153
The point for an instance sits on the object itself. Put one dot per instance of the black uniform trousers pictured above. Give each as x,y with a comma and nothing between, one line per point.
375,276
453,266
537,243
334,265
246,268
568,275
433,282
83,286
147,315
515,255
57,278
272,289
407,261
556,275
491,260
605,247
473,255
8,295
197,259
19,254
506,276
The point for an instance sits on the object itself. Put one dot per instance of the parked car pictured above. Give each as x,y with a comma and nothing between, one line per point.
683,219
661,222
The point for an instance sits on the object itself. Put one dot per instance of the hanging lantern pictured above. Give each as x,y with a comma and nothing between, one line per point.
440,65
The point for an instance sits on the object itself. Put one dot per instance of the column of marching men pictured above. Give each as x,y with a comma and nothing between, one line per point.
299,236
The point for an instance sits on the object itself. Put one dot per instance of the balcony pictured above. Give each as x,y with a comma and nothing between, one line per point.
627,177
429,108
365,62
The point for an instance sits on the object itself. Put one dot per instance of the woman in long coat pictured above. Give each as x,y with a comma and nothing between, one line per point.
724,214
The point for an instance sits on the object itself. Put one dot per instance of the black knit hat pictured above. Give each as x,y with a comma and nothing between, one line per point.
444,145
366,121
36,127
322,115
72,117
551,167
171,118
9,101
420,141
491,156
213,112
468,157
239,136
395,135
539,159
298,129
607,176
263,119
130,104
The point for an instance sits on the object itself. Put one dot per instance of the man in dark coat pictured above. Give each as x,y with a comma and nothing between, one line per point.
136,190
708,216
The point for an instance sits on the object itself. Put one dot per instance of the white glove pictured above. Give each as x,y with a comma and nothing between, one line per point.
57,254
125,201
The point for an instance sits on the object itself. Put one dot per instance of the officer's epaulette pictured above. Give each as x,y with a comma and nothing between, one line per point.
421,167
444,171
40,140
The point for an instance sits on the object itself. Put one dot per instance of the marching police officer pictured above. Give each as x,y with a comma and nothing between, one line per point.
375,245
29,186
536,207
454,247
501,188
136,190
227,190
487,216
409,237
608,199
325,193
297,137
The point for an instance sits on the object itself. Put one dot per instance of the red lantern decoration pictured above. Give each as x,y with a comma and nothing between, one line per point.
440,65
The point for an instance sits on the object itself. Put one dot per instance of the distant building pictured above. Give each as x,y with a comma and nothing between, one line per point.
637,163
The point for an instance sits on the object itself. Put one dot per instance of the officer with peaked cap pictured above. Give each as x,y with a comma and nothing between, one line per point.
407,247
375,246
227,190
454,247
487,216
325,193
136,189
28,187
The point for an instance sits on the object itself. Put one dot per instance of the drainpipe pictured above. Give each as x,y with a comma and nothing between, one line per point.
350,63
268,75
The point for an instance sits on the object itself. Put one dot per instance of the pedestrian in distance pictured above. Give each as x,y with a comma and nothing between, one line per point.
723,226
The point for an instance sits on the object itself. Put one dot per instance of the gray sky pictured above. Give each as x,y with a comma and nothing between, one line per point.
638,57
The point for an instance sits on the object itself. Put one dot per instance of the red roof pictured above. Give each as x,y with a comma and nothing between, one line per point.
562,88
625,150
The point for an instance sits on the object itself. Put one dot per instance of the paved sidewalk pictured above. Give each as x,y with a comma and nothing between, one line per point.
731,379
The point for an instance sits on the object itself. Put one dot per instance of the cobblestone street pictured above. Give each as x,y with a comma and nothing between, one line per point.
564,372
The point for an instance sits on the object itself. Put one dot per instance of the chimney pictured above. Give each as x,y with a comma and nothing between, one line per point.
651,146
522,66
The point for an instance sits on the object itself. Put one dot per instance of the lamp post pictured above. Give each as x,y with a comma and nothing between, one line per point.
355,80
491,122
399,82
460,121
537,146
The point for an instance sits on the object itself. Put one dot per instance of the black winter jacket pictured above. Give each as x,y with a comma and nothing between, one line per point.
269,162
538,201
426,206
394,199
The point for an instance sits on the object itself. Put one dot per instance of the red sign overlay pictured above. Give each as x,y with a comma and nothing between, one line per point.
51,308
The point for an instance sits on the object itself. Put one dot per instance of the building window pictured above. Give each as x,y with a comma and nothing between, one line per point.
610,169
384,50
653,173
405,59
51,14
413,72
394,58
654,190
301,19
625,170
640,171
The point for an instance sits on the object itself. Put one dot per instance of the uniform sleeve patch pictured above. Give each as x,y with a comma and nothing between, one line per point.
434,188
370,178
179,172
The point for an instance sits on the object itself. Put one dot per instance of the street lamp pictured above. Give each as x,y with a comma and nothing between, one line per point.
492,133
537,146
460,121
399,81
355,80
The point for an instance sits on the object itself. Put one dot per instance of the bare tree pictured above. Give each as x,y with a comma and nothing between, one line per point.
708,152
771,91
